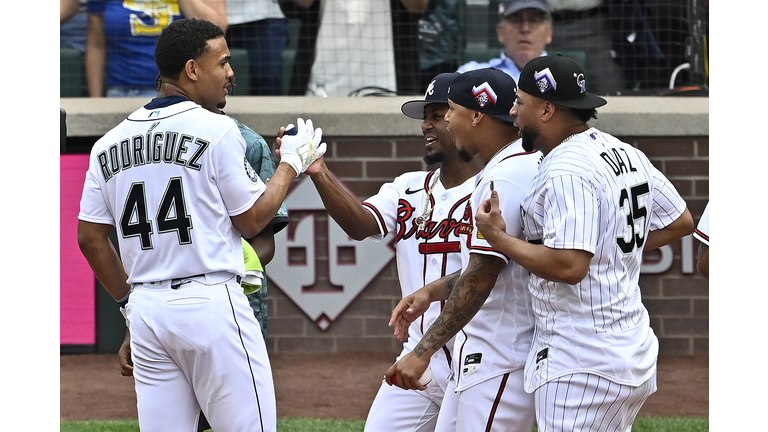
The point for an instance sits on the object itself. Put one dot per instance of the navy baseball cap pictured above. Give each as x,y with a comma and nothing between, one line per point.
507,8
488,90
560,80
437,92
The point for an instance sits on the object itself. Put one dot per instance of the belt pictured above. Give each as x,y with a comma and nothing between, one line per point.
175,283
569,16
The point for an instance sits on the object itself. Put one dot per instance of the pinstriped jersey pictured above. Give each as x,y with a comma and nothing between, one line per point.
168,178
597,194
497,339
423,255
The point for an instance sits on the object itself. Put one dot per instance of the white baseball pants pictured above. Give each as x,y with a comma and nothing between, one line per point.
199,346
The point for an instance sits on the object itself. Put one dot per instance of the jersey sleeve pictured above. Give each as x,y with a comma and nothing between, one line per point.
701,232
93,204
238,183
571,213
383,206
510,197
668,205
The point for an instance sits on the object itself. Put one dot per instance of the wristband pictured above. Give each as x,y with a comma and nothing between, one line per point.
123,301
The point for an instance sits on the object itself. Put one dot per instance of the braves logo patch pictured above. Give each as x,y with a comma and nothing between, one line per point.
430,89
484,94
545,81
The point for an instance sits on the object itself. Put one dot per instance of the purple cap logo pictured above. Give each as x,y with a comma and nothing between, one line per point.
484,94
581,82
545,81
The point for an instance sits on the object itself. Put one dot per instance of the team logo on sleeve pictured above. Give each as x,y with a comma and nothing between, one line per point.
250,171
545,81
484,94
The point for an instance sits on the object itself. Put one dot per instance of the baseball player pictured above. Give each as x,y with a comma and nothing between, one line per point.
596,203
487,304
702,234
173,180
426,211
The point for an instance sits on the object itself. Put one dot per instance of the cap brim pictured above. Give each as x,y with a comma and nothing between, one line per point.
587,102
415,108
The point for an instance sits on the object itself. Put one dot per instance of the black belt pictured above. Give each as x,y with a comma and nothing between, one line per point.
175,283
569,16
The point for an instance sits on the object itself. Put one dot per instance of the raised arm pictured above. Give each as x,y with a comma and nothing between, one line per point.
559,265
214,11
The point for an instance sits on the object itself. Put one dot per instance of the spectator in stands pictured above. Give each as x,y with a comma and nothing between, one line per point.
73,24
259,27
426,41
354,54
308,15
121,39
524,29
584,25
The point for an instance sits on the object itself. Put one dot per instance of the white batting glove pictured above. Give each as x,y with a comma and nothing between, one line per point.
300,145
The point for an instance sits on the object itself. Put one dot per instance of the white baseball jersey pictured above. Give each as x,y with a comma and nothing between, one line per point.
429,254
701,232
598,194
169,183
423,255
497,339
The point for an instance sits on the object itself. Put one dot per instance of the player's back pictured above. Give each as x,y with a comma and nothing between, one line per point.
167,176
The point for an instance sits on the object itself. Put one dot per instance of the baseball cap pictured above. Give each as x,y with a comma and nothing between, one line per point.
437,92
488,90
558,79
507,8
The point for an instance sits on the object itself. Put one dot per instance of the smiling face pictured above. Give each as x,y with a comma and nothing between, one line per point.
439,141
459,121
215,75
525,34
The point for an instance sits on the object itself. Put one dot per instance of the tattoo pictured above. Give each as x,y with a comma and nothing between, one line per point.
468,292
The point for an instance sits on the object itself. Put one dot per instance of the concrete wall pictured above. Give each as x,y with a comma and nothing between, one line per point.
370,142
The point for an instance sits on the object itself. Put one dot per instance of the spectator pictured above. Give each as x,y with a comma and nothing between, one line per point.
426,41
524,29
259,27
308,14
121,39
354,55
583,25
73,24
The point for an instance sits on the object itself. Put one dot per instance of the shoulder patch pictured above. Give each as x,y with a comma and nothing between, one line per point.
250,171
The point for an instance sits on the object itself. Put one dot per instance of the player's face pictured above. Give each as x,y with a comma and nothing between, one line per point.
525,111
439,141
460,124
215,75
524,35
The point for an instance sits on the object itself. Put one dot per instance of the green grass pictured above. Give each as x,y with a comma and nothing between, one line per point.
642,424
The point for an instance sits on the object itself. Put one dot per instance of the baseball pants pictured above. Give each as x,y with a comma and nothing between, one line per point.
498,404
398,410
586,402
199,346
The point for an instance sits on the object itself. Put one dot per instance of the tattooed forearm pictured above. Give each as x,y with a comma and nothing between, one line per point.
467,295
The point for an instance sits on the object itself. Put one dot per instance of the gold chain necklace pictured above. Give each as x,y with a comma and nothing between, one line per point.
421,221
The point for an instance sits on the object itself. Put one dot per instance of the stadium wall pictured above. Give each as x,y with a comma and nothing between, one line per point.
352,287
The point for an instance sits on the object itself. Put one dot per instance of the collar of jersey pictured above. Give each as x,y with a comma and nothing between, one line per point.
164,102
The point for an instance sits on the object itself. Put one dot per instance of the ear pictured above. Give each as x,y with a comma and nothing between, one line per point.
476,117
548,110
190,69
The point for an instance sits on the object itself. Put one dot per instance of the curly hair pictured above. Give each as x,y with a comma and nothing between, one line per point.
181,41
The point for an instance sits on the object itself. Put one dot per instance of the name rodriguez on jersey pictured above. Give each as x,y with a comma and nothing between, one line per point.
153,148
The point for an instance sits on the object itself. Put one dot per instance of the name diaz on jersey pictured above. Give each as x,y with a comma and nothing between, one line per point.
152,148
